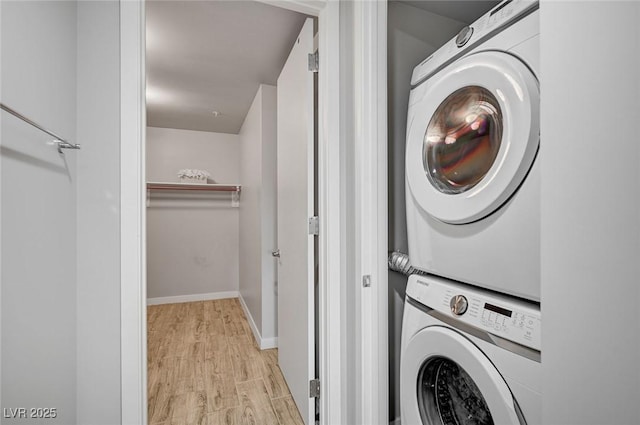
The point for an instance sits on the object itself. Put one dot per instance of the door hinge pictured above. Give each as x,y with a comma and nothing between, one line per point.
366,281
314,64
314,388
314,225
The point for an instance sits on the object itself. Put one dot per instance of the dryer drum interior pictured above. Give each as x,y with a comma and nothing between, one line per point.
447,395
462,139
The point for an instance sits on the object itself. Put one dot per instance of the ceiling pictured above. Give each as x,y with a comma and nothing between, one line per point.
466,11
206,56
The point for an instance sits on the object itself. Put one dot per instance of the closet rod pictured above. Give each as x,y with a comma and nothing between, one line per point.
62,143
194,186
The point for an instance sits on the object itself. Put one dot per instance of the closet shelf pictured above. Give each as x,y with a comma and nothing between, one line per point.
194,186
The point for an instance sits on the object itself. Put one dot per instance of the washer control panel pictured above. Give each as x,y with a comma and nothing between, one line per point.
507,317
488,24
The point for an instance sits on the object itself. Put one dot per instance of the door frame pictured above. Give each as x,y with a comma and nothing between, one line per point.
370,137
133,280
370,51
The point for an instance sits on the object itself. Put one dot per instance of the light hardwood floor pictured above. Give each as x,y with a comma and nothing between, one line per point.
205,367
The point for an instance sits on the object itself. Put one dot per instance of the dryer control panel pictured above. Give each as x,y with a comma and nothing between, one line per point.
498,18
500,315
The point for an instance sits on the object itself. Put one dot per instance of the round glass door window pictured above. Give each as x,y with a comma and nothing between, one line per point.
448,396
462,139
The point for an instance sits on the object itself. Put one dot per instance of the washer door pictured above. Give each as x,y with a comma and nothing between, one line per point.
446,380
472,136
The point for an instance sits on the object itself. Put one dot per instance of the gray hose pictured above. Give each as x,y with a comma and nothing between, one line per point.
399,262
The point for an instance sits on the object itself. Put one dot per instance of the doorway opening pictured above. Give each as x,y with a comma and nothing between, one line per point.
230,191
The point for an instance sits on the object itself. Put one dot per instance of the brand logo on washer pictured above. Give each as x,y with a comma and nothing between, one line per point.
422,282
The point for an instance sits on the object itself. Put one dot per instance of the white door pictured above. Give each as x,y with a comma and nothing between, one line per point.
445,378
296,336
472,136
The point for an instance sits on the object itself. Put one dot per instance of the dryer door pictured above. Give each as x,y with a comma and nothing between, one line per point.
472,135
446,380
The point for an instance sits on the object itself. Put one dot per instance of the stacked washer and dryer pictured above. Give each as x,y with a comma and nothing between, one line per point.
471,327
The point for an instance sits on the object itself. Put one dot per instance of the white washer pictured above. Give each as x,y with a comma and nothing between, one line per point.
473,208
469,356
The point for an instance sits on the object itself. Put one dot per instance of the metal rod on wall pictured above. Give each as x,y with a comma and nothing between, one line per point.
203,187
59,141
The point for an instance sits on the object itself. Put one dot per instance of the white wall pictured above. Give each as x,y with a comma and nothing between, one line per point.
98,184
250,216
61,308
38,203
269,200
413,34
258,213
192,237
590,214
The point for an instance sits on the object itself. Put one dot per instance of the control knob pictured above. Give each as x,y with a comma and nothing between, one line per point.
463,36
458,305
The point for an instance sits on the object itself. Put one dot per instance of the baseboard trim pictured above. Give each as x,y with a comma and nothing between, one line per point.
267,343
264,343
192,297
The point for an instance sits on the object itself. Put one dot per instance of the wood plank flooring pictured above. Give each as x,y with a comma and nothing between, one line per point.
205,368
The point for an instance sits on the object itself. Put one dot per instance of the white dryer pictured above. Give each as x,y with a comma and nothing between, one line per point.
473,132
469,356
